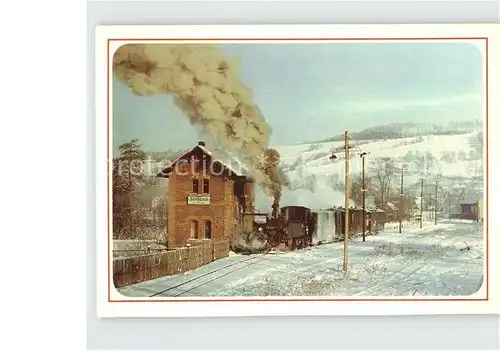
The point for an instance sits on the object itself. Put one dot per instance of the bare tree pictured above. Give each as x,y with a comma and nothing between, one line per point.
383,172
476,143
128,178
357,188
336,183
409,202
429,161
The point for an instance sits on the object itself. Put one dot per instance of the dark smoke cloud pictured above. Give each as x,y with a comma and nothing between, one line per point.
206,85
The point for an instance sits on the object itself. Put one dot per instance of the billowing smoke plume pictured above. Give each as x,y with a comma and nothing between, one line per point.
205,84
321,197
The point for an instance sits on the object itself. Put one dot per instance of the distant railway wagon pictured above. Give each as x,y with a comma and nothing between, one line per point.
374,221
480,211
377,220
355,221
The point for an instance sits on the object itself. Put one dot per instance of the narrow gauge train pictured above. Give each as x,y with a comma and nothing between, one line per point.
295,226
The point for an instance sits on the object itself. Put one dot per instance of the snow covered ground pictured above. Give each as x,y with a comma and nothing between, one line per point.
441,260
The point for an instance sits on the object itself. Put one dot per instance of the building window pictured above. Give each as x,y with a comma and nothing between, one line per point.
193,230
195,186
206,186
208,230
239,189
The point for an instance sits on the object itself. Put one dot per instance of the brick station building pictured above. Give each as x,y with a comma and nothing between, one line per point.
207,198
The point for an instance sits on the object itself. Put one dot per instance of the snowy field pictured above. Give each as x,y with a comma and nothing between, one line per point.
441,260
314,158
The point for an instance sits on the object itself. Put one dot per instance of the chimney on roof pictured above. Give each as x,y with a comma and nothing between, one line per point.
201,143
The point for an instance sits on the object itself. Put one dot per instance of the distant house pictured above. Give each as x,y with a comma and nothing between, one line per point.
391,211
480,210
472,207
454,210
391,206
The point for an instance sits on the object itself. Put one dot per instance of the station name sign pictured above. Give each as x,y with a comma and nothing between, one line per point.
197,199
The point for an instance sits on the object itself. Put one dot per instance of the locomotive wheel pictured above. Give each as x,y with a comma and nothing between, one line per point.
303,243
273,243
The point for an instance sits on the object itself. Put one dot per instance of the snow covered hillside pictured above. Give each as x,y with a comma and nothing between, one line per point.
427,156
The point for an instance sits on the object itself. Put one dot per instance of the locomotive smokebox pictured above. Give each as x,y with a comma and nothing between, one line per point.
276,207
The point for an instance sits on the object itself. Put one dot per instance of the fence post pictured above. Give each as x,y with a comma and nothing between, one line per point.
187,264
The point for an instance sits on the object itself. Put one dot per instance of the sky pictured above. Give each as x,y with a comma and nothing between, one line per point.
309,91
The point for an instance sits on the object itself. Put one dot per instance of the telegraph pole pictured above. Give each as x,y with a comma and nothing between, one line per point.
436,204
421,200
449,206
364,194
346,219
401,201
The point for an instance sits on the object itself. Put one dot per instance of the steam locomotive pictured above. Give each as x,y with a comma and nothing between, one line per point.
292,226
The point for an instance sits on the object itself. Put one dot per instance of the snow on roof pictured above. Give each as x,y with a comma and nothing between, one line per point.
472,198
230,161
375,209
392,206
227,160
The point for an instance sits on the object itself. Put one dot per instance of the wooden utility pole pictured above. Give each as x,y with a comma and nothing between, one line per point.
449,206
421,200
401,200
436,204
346,219
364,194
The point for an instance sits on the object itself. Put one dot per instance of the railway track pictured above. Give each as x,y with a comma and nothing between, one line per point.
196,283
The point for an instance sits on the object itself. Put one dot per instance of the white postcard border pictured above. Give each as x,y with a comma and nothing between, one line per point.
268,307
